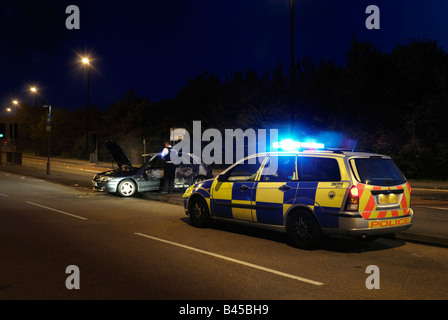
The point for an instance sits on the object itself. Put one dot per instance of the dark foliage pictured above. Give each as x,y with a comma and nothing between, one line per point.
392,103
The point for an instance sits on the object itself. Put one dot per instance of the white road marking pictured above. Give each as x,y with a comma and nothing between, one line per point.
56,210
96,171
283,274
3,195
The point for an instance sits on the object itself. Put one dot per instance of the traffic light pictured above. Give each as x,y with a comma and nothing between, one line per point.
2,130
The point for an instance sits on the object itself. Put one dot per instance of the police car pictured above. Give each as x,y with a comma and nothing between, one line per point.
307,193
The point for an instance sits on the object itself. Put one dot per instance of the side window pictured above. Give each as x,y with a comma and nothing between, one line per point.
279,169
318,169
246,170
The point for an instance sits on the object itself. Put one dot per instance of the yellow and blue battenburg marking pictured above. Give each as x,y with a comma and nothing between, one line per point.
268,198
268,202
202,188
271,203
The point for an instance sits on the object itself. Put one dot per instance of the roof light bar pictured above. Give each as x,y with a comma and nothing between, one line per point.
291,145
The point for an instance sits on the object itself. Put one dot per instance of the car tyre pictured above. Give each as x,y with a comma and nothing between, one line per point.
199,213
126,188
303,230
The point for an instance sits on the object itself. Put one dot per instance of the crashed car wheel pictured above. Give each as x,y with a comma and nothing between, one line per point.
126,188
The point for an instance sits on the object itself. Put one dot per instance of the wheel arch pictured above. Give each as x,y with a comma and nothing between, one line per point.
197,196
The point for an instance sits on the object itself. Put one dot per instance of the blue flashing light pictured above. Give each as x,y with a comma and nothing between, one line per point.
312,145
291,145
287,145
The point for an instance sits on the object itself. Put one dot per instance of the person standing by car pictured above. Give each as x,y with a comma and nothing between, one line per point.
170,168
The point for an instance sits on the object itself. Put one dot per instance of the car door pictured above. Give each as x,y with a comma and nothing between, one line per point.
321,187
232,193
153,174
276,189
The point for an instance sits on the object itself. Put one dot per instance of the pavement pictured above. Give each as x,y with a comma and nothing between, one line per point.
425,193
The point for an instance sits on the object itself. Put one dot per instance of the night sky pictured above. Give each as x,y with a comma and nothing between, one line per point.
154,46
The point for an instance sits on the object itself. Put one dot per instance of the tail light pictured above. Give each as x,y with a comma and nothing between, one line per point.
352,203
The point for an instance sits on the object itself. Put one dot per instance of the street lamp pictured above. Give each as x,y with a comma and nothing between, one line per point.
12,125
16,103
34,91
87,62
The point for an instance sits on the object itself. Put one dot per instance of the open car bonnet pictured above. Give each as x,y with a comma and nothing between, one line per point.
118,154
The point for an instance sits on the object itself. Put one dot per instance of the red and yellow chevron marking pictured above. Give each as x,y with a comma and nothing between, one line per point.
368,207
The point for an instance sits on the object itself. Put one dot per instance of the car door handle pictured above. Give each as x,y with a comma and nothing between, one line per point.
244,188
284,188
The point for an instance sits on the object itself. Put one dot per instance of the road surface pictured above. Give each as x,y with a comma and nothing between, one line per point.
142,249
429,199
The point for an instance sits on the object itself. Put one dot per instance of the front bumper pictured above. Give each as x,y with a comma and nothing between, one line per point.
109,186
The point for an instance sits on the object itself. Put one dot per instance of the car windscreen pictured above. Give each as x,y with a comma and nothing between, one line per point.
376,171
156,162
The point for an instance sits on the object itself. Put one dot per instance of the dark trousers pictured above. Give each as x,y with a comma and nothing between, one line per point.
168,177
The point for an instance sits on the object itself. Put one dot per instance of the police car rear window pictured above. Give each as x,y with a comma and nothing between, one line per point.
318,169
376,171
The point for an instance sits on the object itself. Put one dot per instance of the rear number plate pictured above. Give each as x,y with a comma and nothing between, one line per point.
388,198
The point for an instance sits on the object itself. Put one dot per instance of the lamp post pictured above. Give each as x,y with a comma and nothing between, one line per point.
12,124
34,91
14,131
11,128
49,136
87,62
292,36
292,62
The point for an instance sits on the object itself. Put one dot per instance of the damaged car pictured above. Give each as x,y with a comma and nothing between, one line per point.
127,180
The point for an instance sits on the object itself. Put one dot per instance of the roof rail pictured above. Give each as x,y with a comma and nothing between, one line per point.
342,150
